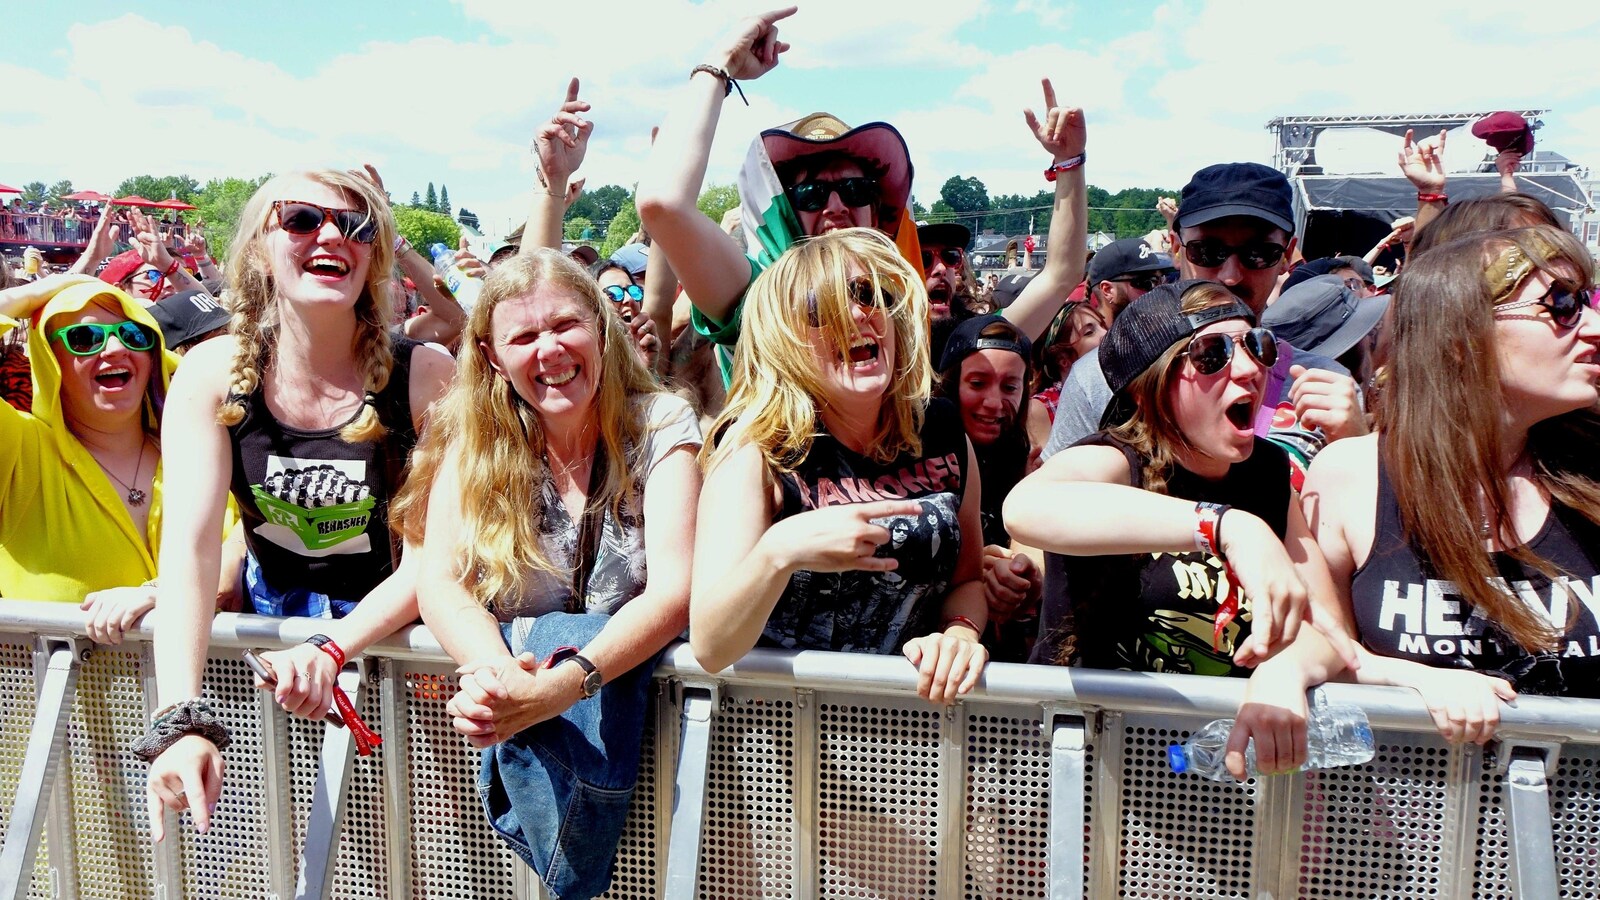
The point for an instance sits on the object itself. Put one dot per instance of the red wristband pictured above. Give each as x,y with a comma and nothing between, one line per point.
1432,198
363,734
1066,165
1208,528
963,620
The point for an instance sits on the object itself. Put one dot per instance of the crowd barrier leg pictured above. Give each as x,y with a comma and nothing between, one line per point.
328,798
1529,768
689,791
397,775
40,766
1069,741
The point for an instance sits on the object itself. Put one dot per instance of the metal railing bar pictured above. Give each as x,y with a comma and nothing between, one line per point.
40,766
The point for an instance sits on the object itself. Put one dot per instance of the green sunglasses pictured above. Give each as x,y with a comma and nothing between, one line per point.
89,338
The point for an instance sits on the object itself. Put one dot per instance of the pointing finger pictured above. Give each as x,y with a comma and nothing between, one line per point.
1049,94
572,89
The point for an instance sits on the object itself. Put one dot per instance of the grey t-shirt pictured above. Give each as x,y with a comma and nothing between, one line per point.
1085,395
619,565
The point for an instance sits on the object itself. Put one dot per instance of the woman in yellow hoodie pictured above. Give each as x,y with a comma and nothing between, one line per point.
80,476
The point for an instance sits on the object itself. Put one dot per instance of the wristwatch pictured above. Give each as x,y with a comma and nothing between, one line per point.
591,675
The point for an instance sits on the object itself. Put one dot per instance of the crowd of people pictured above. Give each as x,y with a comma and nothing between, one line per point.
810,426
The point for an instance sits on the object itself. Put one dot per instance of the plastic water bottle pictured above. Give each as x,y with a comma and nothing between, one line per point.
1335,736
465,287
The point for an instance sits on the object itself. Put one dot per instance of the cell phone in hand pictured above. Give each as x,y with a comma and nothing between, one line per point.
261,671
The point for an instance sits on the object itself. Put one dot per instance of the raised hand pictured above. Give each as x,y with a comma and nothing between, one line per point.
561,143
147,240
1061,133
751,49
1423,163
1168,208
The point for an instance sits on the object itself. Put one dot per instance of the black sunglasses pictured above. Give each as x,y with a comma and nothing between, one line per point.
1565,305
297,217
1211,353
1149,281
862,294
89,338
620,294
950,256
810,196
1213,254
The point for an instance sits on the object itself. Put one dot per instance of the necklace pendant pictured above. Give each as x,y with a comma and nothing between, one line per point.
136,497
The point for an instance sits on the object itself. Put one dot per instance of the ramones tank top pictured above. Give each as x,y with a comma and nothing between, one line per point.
1403,610
315,506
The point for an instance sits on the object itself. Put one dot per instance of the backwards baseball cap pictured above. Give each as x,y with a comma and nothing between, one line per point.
633,257
1323,316
121,267
1237,189
1125,257
969,338
1144,331
1010,287
945,234
187,316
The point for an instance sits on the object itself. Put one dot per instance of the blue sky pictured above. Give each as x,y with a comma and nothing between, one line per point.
451,90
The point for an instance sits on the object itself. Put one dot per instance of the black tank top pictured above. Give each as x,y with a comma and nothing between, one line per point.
1156,612
315,506
876,612
1402,610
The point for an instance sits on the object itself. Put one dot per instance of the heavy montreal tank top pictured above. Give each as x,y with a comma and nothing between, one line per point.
1403,610
877,612
315,506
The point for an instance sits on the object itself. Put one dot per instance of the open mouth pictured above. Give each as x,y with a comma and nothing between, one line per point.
114,378
1240,412
327,267
863,350
558,379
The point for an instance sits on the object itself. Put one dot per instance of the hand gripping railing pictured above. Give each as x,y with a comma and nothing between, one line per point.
789,774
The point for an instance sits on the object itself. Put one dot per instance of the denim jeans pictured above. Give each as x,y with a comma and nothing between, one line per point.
558,793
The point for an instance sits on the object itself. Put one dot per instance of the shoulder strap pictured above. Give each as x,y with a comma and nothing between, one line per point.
588,532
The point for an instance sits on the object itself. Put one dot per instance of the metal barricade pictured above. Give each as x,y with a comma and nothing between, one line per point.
803,775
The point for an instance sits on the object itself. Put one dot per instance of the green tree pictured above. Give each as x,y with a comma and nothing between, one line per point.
34,191
601,204
219,203
152,188
965,195
416,201
431,203
919,212
940,212
718,199
59,189
444,200
577,229
422,227
622,227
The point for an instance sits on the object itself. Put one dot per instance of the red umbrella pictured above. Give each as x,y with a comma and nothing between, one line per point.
7,189
174,203
133,200
92,196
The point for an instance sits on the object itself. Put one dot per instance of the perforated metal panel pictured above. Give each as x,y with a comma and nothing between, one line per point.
108,781
1007,825
749,844
1382,829
1182,836
361,867
880,798
17,705
1575,802
454,852
231,859
639,853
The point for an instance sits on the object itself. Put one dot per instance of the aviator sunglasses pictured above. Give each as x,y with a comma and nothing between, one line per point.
1211,353
89,338
620,294
862,294
811,196
1149,281
1565,305
297,217
1213,254
950,256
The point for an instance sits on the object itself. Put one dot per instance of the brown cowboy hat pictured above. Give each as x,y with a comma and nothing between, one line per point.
875,142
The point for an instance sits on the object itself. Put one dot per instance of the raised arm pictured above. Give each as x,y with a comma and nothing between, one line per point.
1423,165
559,145
710,265
1062,135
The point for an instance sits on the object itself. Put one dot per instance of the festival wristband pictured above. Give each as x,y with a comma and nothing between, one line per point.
1066,165
1432,198
363,734
963,620
1208,528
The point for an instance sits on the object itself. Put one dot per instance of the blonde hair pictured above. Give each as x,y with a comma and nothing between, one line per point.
252,298
496,442
1152,430
776,387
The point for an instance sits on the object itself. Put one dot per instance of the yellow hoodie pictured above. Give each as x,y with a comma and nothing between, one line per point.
63,529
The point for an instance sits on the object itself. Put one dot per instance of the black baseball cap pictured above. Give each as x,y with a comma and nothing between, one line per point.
1237,189
1010,287
968,339
945,234
187,316
1125,257
1323,316
1144,331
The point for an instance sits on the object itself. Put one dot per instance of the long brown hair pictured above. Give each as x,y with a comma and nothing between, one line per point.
1152,431
1440,422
